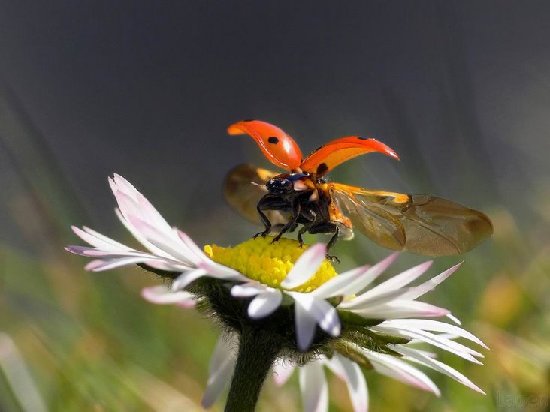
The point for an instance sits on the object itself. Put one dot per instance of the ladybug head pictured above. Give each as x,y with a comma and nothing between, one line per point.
280,185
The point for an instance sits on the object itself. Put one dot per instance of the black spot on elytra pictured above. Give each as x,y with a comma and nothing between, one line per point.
363,138
248,120
273,140
322,168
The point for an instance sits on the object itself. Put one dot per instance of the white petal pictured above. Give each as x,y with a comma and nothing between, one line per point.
436,340
183,280
314,387
169,244
93,252
145,222
139,202
454,318
420,357
372,301
351,373
129,207
100,239
264,303
338,285
105,257
168,265
220,371
106,239
402,309
359,283
246,290
305,327
396,282
221,272
319,309
395,368
164,295
140,238
282,371
195,252
100,242
433,326
100,265
305,267
113,259
429,285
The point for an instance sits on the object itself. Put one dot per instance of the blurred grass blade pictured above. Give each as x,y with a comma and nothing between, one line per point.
18,376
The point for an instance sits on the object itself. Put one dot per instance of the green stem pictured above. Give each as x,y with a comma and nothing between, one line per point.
256,356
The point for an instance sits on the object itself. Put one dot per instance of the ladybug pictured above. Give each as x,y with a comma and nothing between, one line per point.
301,197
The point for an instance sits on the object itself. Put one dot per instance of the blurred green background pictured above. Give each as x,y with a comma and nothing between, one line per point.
461,90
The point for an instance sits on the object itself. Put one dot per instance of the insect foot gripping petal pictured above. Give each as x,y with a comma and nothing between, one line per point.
332,259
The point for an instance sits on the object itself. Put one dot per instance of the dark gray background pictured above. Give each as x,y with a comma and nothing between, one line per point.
460,89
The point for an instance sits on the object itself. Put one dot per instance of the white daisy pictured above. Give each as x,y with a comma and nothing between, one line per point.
282,302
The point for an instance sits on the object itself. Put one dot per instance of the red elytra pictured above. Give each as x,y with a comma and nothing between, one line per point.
283,151
277,146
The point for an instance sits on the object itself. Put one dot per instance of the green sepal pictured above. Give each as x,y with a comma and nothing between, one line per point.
354,321
346,349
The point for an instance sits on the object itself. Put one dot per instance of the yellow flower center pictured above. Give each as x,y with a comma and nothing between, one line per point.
268,263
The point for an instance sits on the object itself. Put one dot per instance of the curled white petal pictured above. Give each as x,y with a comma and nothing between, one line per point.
320,310
246,290
305,327
264,303
183,280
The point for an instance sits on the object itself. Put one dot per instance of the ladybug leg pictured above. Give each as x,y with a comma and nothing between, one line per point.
269,202
291,225
331,243
328,227
304,229
334,237
265,221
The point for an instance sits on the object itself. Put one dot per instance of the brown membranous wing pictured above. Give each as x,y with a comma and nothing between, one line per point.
244,186
422,224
